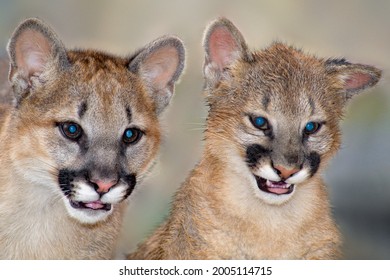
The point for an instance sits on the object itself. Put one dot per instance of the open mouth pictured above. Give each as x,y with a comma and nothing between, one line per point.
93,205
278,188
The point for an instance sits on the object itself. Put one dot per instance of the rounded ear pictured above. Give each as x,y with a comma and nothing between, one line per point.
159,65
353,78
224,45
33,47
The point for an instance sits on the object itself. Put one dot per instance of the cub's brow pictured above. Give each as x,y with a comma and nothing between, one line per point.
82,109
312,105
265,101
129,114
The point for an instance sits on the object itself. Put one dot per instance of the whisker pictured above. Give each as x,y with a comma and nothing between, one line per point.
222,137
58,199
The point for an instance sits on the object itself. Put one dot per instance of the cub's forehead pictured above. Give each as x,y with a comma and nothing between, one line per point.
98,88
283,103
111,104
92,61
284,68
99,71
285,80
111,116
104,81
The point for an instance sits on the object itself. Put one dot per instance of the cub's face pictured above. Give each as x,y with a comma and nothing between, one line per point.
285,142
89,132
92,142
274,113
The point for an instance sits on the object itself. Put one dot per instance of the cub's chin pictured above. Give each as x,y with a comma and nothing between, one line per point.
88,212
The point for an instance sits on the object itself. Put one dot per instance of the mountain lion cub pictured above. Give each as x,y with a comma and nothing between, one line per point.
82,132
273,126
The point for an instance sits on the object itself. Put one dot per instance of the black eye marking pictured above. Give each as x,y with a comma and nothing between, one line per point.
71,130
82,109
254,153
129,114
265,101
312,105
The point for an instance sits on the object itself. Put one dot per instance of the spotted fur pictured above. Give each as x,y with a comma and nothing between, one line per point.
63,191
257,192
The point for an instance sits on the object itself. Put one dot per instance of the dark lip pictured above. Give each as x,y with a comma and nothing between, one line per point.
81,205
261,184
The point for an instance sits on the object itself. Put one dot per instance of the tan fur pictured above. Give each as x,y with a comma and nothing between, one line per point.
105,95
220,212
5,87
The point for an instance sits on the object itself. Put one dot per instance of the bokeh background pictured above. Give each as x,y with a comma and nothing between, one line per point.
359,176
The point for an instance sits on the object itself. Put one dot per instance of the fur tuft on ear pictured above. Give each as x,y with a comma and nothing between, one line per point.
224,45
160,65
354,78
32,48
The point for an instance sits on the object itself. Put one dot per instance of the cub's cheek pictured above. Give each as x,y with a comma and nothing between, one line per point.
299,177
84,192
313,162
117,194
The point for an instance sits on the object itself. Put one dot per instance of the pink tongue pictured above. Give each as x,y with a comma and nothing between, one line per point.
94,205
277,187
278,190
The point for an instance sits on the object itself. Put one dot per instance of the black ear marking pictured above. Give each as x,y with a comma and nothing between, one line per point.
353,78
336,62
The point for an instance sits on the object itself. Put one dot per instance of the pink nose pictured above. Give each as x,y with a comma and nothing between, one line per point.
284,172
104,186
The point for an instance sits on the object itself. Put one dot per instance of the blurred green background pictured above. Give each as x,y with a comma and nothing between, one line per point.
359,177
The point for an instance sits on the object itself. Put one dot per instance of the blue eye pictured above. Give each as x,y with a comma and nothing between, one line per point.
260,123
131,135
71,130
311,127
